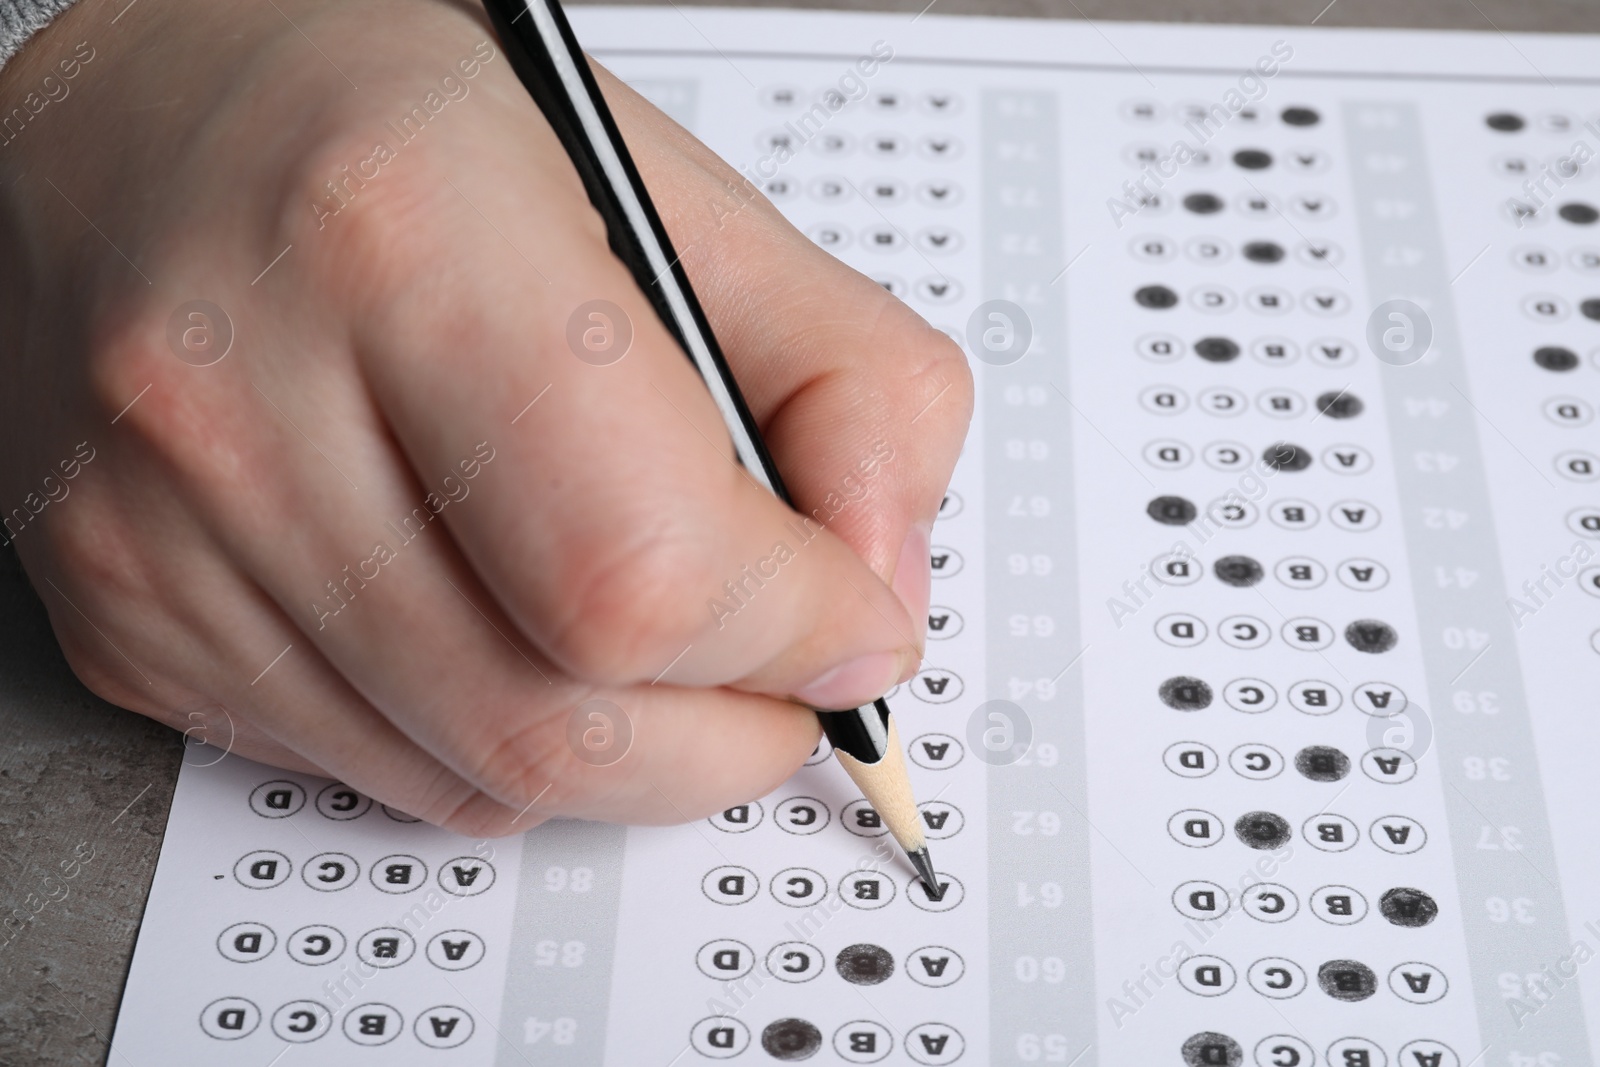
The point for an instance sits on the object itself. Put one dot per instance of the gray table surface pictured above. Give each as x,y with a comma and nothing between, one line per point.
75,770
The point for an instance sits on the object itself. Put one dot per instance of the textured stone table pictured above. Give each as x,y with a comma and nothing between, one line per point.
78,774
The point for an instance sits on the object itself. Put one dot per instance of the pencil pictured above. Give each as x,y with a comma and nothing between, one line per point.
545,54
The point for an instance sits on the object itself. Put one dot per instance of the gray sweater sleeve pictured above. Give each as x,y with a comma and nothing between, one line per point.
21,19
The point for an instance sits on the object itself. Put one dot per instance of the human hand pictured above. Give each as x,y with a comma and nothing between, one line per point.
378,512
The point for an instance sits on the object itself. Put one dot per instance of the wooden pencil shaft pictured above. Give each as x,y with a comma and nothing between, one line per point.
887,787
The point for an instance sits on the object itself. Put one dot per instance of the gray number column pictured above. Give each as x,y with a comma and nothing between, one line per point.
544,991
1033,633
569,890
1498,831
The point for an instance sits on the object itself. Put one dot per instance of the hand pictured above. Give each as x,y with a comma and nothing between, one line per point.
378,508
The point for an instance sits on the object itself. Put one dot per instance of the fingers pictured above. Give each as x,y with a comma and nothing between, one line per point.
679,753
311,499
670,755
665,755
658,754
612,525
409,531
255,688
303,704
185,638
862,403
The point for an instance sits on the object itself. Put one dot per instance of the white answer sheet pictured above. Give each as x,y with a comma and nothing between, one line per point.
1259,717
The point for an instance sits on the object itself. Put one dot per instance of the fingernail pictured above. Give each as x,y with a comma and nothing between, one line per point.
853,683
913,578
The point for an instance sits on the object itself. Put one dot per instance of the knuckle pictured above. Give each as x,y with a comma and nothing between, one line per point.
178,412
101,574
90,542
105,679
634,607
204,721
939,366
460,807
127,352
481,816
529,762
363,221
439,796
935,393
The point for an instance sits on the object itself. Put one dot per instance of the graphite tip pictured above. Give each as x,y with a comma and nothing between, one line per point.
924,865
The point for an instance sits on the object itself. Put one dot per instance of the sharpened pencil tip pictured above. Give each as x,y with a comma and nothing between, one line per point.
924,865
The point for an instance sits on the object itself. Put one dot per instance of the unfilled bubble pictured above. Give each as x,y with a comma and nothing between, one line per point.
999,733
599,732
599,333
1399,332
199,333
999,333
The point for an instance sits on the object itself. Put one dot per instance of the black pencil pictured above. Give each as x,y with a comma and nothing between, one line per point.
546,56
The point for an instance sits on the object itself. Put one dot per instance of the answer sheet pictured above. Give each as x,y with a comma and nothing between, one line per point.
1258,723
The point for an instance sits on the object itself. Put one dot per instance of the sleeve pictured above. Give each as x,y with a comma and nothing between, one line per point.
21,19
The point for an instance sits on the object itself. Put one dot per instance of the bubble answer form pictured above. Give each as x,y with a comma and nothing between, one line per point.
1255,725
